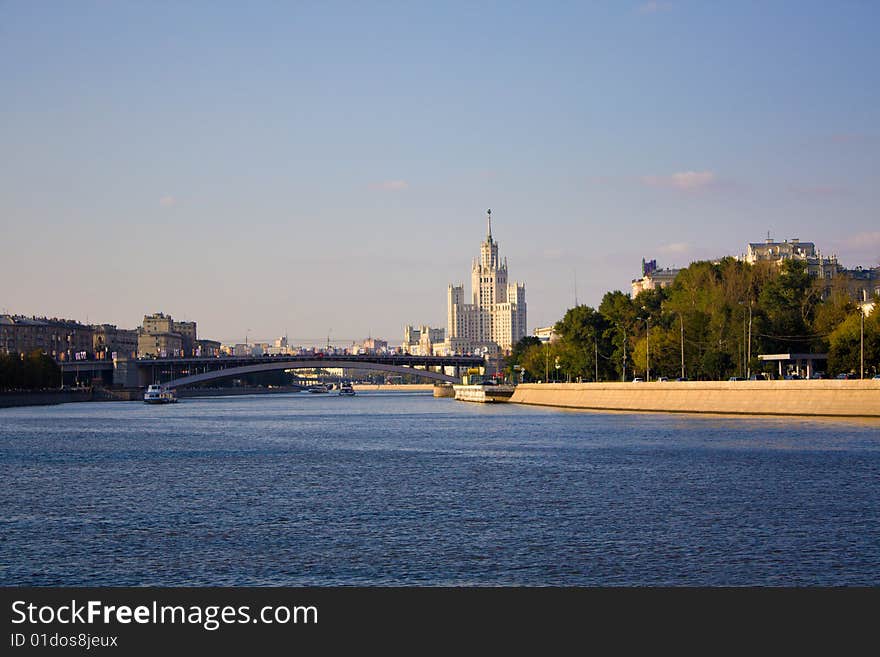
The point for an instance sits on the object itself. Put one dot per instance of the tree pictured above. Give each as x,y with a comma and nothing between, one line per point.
844,353
619,311
788,302
539,361
584,339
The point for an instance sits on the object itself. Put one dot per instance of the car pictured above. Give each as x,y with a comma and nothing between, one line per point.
638,379
845,375
792,377
736,378
877,377
682,378
661,379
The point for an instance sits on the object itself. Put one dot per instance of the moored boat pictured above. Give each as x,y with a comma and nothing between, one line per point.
156,394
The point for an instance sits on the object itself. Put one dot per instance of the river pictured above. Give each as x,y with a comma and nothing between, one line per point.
404,489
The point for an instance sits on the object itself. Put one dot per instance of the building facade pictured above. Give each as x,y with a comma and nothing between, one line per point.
421,340
160,324
109,340
63,339
653,277
495,315
160,345
861,284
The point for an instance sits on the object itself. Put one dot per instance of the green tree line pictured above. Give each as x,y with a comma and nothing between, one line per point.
710,324
32,372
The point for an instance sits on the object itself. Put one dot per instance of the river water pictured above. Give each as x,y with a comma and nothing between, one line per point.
405,489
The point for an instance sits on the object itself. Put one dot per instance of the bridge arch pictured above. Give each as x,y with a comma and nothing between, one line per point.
323,363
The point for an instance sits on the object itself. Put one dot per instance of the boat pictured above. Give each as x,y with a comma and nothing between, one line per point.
156,394
317,389
345,390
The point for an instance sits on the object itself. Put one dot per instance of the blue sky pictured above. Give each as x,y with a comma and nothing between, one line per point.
315,167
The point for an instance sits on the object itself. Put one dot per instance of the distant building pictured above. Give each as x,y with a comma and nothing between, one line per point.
372,346
160,345
207,348
653,278
861,284
421,340
495,318
280,347
260,349
546,334
108,340
63,339
160,324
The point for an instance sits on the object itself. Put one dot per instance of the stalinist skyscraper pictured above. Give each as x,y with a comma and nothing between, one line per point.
496,315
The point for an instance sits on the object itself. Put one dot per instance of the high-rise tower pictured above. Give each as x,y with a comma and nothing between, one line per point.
496,315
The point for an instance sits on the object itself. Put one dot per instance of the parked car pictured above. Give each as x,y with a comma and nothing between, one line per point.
845,375
682,378
792,377
638,379
661,379
736,378
877,377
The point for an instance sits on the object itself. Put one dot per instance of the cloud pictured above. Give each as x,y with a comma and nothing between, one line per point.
859,249
684,181
167,201
653,6
675,248
814,191
865,240
390,186
852,138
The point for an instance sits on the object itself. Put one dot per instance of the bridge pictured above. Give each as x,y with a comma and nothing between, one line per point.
182,372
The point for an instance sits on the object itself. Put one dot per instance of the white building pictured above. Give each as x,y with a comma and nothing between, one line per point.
653,278
546,334
495,317
420,340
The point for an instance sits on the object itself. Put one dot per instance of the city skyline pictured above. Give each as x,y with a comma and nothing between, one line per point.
326,169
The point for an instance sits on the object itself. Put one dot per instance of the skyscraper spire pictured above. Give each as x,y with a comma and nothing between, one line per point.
489,225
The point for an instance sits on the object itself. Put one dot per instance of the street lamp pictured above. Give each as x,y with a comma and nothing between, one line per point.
747,347
623,370
547,362
862,342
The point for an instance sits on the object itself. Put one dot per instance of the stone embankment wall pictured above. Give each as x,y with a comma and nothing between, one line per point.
802,398
43,397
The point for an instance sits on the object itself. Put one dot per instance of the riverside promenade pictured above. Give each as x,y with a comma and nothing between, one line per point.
820,398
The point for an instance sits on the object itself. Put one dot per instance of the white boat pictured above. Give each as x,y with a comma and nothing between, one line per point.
345,390
156,394
317,389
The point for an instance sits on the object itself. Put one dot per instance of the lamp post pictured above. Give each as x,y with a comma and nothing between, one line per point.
681,322
747,345
862,343
749,359
547,362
